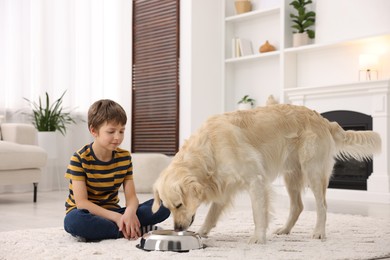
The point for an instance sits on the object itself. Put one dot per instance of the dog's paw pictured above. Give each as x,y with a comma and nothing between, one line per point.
282,231
318,235
203,233
257,239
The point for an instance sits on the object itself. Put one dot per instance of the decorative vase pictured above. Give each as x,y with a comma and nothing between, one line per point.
300,39
48,141
243,6
244,106
266,47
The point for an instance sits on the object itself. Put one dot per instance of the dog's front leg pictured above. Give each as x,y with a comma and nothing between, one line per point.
211,219
259,194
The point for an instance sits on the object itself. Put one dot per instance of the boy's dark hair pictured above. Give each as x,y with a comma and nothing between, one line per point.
105,110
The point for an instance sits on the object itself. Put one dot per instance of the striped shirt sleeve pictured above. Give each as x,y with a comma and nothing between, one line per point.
75,170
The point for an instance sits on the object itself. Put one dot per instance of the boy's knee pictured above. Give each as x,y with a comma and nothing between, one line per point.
74,217
164,212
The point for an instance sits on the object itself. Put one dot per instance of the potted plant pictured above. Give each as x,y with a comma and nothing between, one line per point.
303,21
246,103
48,119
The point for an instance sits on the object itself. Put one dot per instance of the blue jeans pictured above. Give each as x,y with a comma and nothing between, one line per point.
81,223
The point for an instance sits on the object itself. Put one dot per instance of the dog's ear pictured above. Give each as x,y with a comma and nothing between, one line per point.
192,184
157,201
198,190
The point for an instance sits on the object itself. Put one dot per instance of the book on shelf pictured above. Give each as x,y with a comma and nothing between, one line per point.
241,47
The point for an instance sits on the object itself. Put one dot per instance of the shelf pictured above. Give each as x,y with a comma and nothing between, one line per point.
253,57
252,15
317,47
302,49
332,59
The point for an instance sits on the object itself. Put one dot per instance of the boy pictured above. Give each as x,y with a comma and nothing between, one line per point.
96,173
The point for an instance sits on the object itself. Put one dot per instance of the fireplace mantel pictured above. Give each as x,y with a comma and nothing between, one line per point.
364,89
368,97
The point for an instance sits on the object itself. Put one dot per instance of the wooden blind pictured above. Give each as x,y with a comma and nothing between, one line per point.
155,82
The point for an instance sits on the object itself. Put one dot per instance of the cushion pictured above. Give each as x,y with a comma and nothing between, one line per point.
15,156
146,168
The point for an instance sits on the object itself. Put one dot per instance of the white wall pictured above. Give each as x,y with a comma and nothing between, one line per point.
201,90
346,19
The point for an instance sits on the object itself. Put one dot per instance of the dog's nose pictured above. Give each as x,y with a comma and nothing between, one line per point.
179,227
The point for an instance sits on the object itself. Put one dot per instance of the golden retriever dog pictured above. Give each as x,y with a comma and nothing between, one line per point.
247,150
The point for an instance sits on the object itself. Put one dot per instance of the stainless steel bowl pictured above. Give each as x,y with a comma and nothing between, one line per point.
169,240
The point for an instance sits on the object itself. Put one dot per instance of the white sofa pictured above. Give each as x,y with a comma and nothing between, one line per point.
146,168
21,159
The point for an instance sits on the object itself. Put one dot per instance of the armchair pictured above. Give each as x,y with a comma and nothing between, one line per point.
21,159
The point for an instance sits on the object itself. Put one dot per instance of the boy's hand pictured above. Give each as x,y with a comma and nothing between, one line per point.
129,225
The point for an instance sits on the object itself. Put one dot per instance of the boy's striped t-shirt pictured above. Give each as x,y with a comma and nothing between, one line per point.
103,179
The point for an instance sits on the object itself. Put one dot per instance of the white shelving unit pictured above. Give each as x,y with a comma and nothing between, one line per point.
332,59
247,74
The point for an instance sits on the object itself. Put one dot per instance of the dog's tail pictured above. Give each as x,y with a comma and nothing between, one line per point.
360,145
271,101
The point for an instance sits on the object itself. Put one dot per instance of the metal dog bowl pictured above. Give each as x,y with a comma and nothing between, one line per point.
169,240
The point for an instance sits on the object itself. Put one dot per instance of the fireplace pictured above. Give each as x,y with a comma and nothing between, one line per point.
350,174
368,98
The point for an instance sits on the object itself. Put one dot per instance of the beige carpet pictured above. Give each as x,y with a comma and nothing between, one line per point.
349,237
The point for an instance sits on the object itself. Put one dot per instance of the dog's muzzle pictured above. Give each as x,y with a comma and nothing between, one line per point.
181,228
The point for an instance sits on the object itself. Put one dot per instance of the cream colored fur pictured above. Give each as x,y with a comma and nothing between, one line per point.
247,150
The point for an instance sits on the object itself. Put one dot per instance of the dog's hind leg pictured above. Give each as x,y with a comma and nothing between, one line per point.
319,191
294,187
318,182
260,198
211,219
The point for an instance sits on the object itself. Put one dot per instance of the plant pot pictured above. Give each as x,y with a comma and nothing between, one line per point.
300,39
243,6
244,106
48,141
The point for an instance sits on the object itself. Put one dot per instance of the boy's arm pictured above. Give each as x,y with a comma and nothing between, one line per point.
132,201
81,198
129,218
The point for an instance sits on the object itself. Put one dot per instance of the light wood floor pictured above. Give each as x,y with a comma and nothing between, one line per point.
17,211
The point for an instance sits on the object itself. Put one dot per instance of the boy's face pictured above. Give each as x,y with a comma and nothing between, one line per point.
109,135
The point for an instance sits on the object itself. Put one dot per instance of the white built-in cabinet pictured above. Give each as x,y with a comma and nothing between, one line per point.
345,29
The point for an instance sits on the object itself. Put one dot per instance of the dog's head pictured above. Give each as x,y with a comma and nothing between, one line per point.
180,192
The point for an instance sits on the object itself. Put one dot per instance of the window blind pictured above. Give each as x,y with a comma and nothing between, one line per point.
155,82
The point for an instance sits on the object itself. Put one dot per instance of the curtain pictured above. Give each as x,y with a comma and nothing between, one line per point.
81,46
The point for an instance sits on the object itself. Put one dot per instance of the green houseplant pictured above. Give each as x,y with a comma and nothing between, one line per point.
246,102
303,20
50,117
